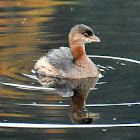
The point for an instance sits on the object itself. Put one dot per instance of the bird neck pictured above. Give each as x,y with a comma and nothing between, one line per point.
78,51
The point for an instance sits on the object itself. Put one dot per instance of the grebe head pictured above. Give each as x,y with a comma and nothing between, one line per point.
81,34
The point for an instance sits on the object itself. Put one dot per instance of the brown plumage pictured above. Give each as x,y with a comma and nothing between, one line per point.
70,62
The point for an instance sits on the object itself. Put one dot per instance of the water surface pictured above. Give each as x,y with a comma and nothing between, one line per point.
29,29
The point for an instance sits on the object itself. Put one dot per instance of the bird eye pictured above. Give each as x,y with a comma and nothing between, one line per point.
85,34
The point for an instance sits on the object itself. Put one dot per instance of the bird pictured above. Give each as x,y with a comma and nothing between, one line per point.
70,62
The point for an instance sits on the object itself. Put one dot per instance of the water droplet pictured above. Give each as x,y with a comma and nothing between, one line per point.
123,64
34,102
104,130
71,9
114,119
5,120
60,102
18,3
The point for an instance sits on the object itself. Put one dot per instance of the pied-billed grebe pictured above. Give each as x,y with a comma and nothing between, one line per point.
70,62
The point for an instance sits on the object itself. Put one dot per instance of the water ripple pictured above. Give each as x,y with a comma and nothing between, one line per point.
87,105
27,87
117,58
34,125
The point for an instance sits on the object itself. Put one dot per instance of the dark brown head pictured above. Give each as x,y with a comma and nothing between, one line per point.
81,34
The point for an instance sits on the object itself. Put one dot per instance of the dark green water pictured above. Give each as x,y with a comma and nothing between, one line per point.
29,29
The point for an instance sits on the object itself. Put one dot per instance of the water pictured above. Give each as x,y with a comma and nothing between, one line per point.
28,30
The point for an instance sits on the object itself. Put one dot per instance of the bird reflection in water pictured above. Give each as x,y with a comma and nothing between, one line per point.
78,89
